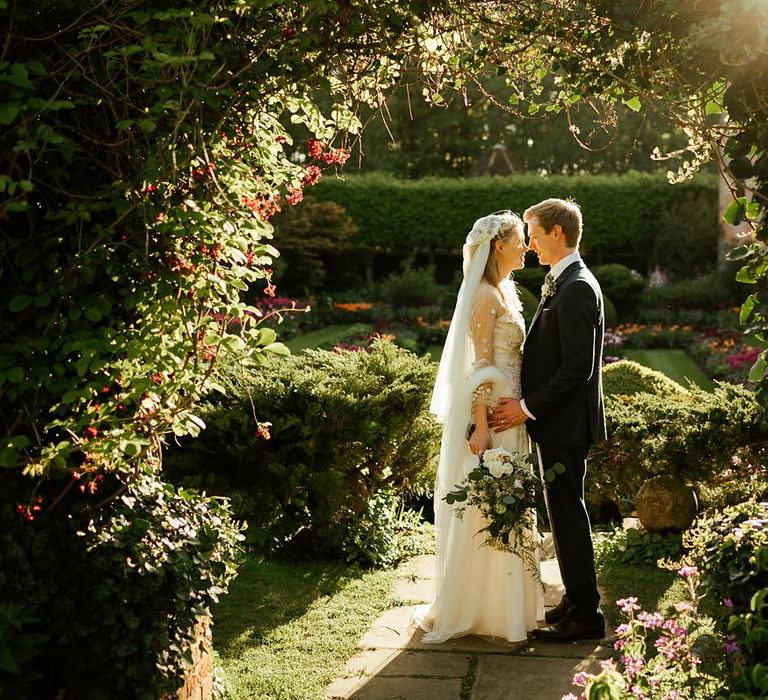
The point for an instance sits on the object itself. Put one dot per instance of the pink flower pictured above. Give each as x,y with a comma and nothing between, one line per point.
581,678
294,196
311,175
651,620
633,664
315,148
727,602
628,605
688,571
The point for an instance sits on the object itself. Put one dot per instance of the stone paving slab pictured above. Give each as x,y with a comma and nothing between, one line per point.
576,650
521,678
547,546
380,688
419,590
393,630
553,585
422,566
395,662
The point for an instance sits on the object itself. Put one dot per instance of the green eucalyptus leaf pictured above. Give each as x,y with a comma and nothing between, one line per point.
20,302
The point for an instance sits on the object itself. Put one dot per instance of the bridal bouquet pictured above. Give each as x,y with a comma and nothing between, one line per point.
502,485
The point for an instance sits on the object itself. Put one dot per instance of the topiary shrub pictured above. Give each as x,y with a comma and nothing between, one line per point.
691,435
611,315
306,235
112,595
687,242
708,292
626,378
620,284
411,286
346,428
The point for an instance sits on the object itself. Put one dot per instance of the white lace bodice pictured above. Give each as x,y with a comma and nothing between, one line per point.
498,332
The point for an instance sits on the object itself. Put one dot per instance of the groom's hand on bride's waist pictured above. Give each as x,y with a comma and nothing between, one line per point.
507,414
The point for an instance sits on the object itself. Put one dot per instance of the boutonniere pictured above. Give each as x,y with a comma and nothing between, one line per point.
549,287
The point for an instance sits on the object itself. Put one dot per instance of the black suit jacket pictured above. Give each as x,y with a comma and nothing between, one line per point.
562,357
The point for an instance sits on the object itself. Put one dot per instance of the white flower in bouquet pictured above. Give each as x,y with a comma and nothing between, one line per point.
502,487
498,462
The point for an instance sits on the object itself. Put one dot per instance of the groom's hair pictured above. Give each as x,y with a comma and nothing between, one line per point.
553,211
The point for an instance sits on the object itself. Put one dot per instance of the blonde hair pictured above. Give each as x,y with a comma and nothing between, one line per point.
552,212
512,224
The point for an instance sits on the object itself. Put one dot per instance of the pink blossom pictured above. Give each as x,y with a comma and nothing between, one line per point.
651,620
688,571
628,605
581,678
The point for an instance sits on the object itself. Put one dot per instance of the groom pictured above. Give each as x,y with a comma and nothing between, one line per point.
563,406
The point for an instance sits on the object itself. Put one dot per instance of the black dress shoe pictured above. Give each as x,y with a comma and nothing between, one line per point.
569,629
558,612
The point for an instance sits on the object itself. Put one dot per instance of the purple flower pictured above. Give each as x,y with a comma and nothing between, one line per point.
570,696
651,620
628,605
622,629
581,678
608,665
619,644
727,602
633,664
688,571
731,647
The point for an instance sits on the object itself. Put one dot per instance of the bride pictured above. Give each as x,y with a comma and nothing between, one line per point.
478,589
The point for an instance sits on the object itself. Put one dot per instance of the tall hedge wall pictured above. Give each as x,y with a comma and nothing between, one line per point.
621,213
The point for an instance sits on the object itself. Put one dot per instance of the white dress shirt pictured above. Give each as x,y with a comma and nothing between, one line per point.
556,270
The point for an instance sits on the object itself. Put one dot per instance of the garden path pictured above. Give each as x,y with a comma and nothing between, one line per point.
396,665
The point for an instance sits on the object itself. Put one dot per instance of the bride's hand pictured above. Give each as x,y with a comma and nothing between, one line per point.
479,441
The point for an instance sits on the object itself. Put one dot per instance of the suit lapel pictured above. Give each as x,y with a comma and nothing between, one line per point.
576,265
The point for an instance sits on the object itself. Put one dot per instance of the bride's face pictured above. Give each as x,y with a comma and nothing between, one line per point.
511,255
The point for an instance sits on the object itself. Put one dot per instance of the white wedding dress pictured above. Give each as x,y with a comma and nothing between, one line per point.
478,589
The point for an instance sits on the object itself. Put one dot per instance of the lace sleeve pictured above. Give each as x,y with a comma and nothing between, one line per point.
486,308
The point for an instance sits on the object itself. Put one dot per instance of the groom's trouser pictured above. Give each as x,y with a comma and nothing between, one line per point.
571,529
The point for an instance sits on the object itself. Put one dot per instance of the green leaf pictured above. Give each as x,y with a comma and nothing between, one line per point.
633,103
148,125
758,370
741,168
734,214
8,457
132,448
15,375
20,302
739,252
760,676
267,336
277,349
93,314
8,112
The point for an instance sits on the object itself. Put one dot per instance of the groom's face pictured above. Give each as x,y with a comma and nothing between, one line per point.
539,242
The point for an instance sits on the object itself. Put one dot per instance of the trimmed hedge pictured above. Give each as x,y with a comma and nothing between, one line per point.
621,213
626,378
657,427
348,429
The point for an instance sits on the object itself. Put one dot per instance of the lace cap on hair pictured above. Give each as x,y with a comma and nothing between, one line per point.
487,228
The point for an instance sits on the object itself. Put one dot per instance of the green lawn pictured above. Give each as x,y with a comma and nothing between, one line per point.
655,589
285,631
329,334
674,363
